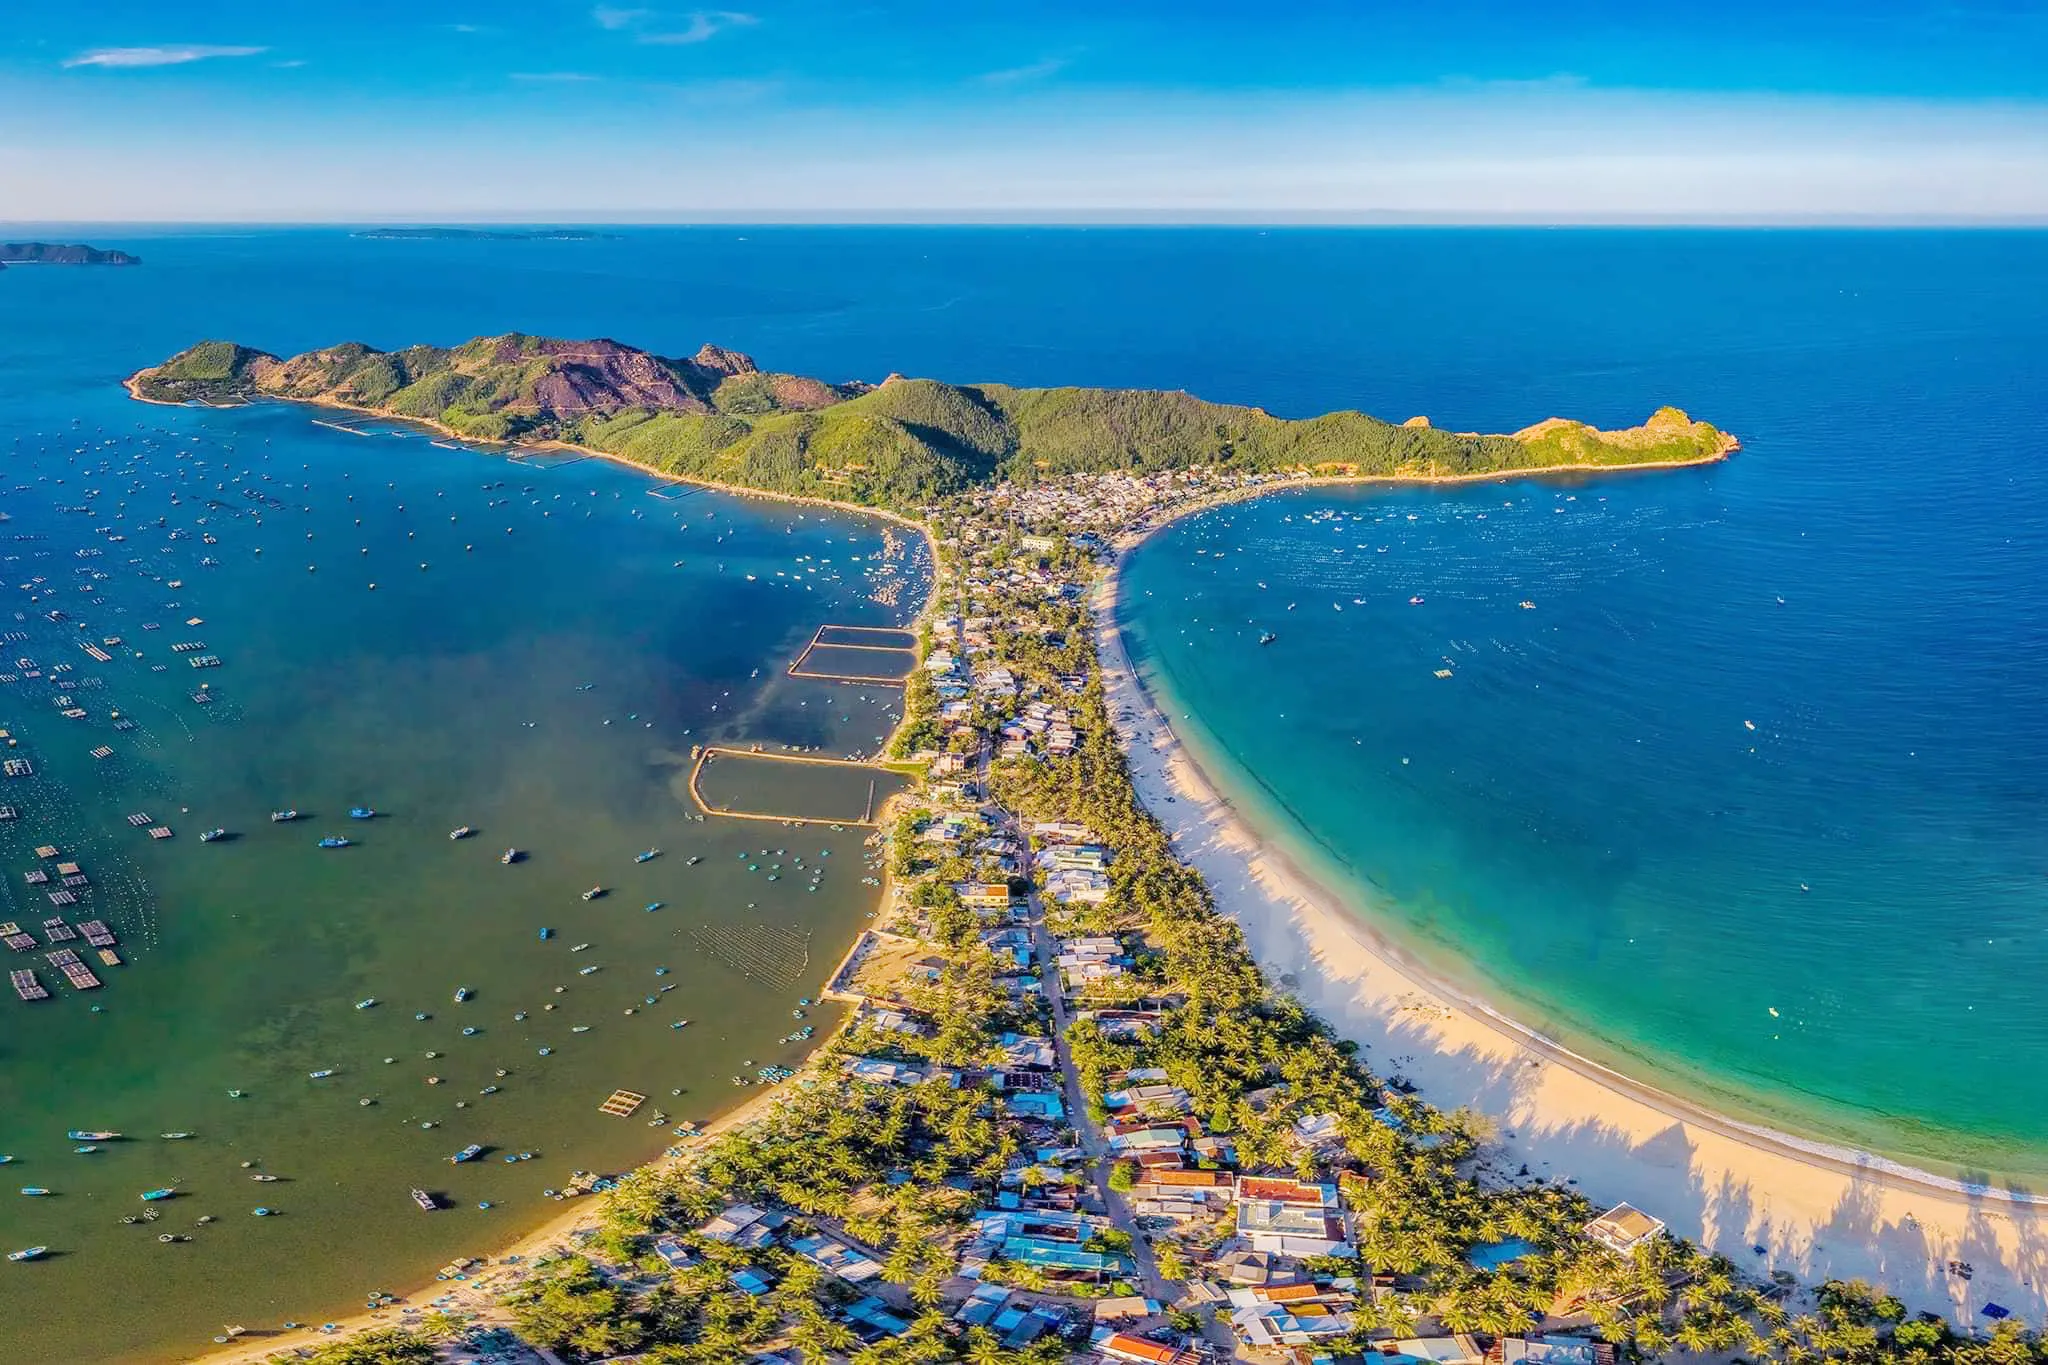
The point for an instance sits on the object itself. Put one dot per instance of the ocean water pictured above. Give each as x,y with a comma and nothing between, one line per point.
1735,780
1585,778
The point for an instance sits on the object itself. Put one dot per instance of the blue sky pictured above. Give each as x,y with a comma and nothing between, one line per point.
1452,110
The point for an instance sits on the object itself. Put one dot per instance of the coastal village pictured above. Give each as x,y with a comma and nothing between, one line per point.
1067,1119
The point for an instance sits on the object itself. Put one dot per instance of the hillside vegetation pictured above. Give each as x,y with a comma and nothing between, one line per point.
717,416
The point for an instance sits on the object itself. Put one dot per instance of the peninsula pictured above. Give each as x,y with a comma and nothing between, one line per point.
717,417
1070,1117
55,253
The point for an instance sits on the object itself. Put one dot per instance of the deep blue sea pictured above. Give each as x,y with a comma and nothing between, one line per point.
1584,824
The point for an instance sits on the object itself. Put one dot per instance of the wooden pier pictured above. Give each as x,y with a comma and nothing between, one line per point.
622,1103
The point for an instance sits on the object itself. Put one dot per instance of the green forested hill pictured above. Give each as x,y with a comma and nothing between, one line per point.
718,416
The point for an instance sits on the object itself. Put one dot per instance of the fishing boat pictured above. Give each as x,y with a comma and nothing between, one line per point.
362,812
587,971
6,1157
694,859
509,856
174,1137
92,1135
260,1211
546,933
265,1178
322,1074
208,836
462,993
425,1200
85,1148
460,832
234,1094
580,1028
469,1153
283,817
649,856
334,841
579,947
653,906
593,893
34,1190
153,1196
367,1002
27,1254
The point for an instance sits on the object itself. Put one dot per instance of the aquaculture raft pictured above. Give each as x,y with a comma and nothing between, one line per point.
622,1104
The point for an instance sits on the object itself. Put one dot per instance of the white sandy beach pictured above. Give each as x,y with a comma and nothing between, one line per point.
1819,1214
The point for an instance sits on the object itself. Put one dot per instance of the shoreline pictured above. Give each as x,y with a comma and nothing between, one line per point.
1727,1184
483,1289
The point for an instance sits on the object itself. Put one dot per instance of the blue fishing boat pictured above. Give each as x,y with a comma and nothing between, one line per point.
153,1196
6,1157
652,906
92,1135
334,841
362,812
260,1211
546,934
322,1074
593,893
209,836
469,1153
27,1254
85,1148
33,1190
649,856
462,993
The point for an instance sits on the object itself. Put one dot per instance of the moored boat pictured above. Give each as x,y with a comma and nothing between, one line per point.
510,856
462,993
469,1153
208,836
92,1135
334,841
173,1137
34,1190
425,1200
322,1074
647,857
362,812
153,1196
27,1254
282,817
460,832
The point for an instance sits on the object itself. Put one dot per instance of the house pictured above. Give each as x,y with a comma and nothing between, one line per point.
882,1072
1291,1217
1551,1350
1140,1140
828,1253
1042,1106
985,895
871,1318
1124,1346
752,1282
742,1225
1451,1350
1200,1187
674,1254
1623,1228
1269,1318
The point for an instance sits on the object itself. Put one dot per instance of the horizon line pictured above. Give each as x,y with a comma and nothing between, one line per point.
766,218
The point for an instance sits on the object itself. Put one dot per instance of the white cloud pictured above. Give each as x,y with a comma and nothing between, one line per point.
172,55
1039,70
652,26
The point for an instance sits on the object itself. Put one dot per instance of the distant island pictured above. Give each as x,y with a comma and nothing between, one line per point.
54,253
719,418
457,234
